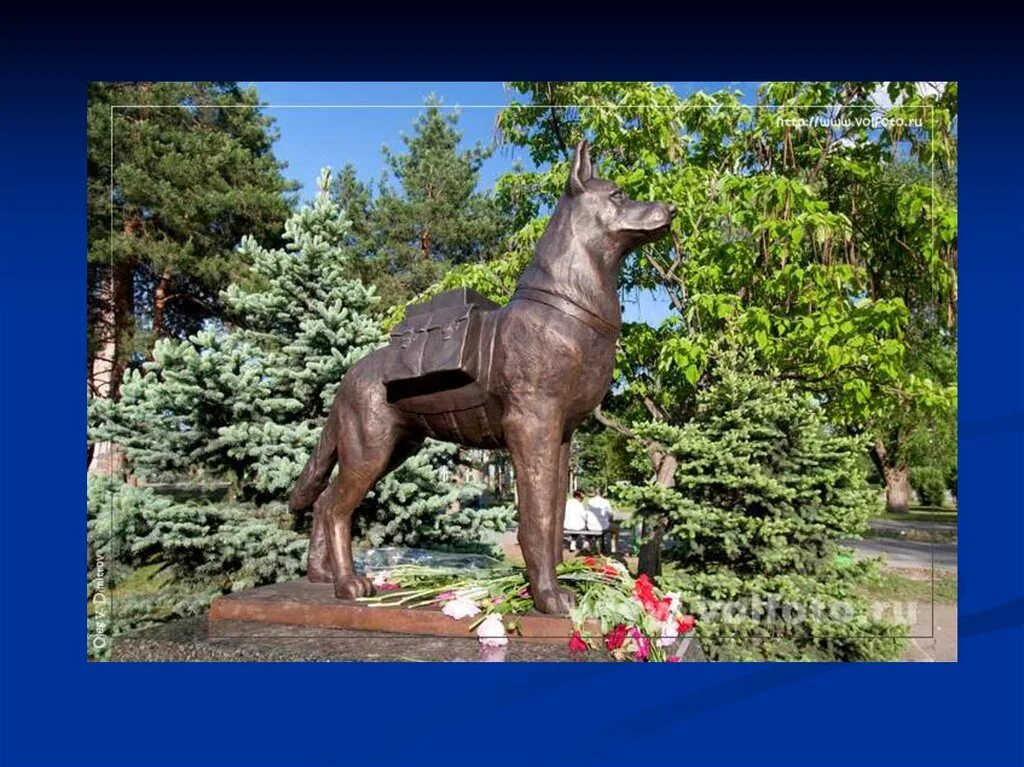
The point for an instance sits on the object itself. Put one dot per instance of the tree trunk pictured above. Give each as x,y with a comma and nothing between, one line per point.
896,476
897,490
664,465
425,244
115,299
160,302
649,559
649,555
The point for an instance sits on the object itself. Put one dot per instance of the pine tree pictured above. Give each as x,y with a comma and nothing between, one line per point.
177,173
764,492
408,237
246,403
157,558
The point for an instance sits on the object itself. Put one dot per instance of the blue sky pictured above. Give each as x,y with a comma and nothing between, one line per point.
337,123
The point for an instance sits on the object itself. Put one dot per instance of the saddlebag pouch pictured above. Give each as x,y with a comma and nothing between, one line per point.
436,347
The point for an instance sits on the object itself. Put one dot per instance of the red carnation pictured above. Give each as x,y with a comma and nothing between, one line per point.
610,571
589,561
685,623
661,609
576,643
613,639
672,659
644,589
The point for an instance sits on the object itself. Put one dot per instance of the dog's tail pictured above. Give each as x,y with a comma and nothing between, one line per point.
315,476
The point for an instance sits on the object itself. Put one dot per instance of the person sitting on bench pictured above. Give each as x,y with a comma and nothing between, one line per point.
599,513
575,518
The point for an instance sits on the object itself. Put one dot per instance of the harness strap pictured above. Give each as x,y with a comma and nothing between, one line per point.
574,310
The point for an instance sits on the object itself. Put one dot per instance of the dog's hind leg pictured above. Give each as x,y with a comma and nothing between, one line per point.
338,503
371,442
319,568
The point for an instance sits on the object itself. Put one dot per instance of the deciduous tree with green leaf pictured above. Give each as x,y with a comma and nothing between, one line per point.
796,235
796,244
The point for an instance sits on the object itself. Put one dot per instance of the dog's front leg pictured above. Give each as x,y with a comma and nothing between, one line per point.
534,440
561,495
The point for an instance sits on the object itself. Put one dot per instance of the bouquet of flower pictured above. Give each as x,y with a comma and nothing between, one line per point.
637,621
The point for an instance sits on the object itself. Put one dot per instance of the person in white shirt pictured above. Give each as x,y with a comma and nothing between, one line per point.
575,514
599,513
575,518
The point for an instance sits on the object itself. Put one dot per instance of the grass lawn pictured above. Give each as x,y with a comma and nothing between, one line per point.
894,587
922,514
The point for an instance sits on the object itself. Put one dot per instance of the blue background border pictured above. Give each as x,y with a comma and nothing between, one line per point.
57,709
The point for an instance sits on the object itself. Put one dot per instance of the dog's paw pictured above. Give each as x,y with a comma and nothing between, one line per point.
554,601
353,587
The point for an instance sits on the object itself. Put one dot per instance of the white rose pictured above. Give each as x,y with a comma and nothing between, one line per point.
669,633
492,631
460,608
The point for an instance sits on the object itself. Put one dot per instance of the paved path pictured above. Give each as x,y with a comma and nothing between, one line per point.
908,554
934,634
898,526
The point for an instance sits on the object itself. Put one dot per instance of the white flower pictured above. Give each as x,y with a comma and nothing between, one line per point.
669,633
460,608
674,603
381,578
492,631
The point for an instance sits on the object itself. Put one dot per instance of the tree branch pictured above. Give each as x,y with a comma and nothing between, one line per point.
555,125
879,457
613,423
668,279
652,407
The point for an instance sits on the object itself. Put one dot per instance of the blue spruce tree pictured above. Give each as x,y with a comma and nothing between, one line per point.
244,402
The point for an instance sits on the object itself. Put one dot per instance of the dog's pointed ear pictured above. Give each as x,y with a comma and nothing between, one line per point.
582,171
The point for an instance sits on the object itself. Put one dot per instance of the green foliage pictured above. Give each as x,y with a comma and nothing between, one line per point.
407,238
192,169
155,558
891,586
827,248
930,483
245,403
414,507
600,459
115,522
764,492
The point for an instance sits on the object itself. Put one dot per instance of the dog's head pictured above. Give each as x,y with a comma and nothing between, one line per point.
603,219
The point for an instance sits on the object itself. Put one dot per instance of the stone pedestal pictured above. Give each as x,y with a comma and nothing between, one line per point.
301,603
302,621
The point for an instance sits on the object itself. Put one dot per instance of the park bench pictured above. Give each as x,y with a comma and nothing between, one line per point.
601,541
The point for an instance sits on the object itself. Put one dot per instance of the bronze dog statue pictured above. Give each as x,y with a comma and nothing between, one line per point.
546,361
